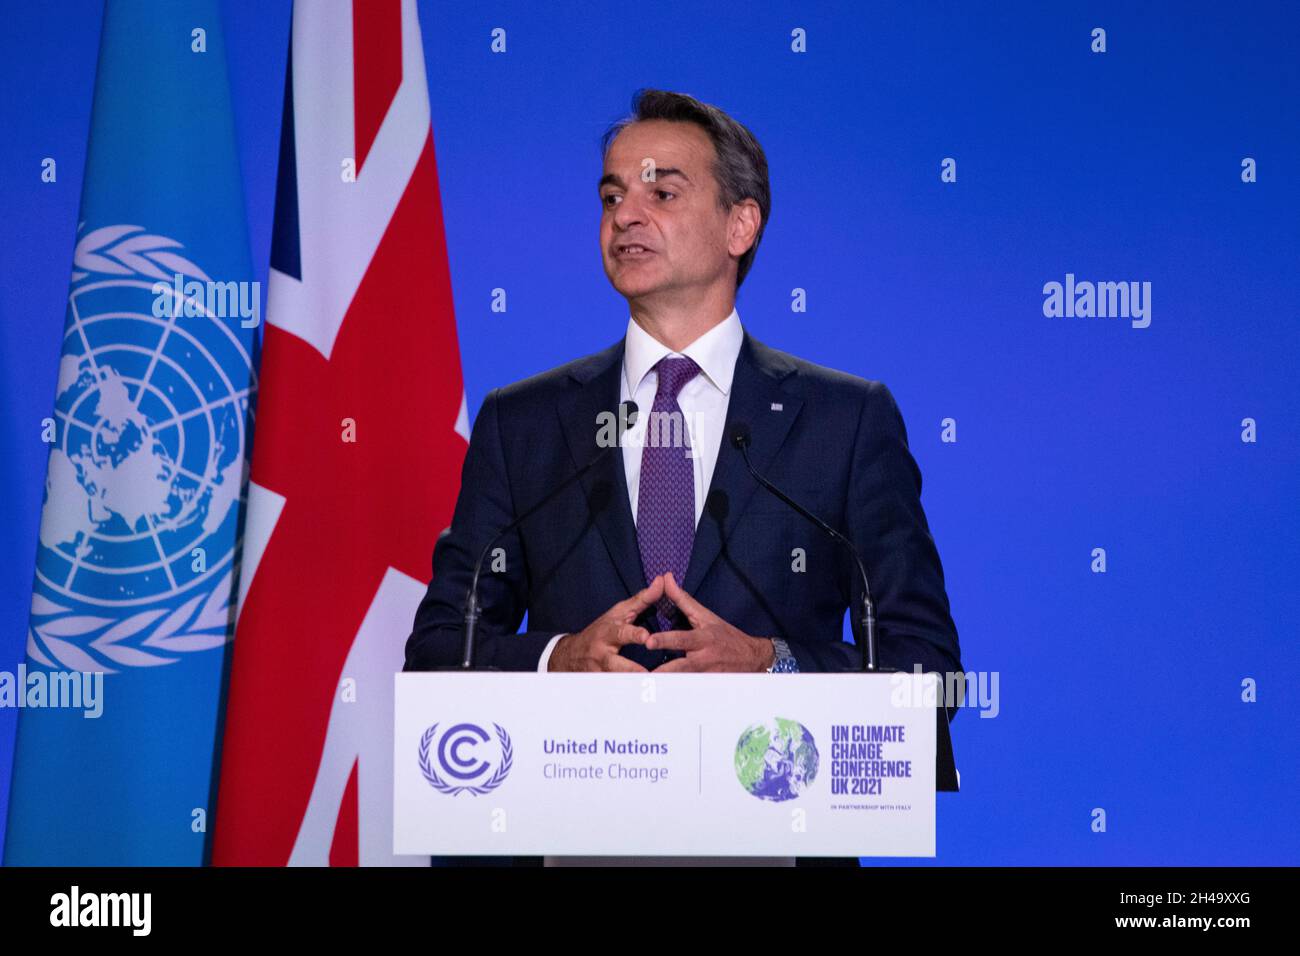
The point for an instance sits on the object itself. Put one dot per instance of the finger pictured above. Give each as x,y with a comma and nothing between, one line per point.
675,641
630,609
680,665
695,612
630,634
617,662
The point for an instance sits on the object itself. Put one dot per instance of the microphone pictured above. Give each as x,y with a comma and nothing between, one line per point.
867,620
627,415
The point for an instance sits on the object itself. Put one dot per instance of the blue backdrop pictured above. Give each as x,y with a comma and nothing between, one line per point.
1119,690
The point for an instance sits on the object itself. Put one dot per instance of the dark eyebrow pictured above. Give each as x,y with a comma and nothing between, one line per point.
613,179
663,171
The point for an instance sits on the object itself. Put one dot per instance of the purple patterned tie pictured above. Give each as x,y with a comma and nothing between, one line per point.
665,508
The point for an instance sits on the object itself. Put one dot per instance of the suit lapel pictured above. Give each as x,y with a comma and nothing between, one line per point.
759,385
606,484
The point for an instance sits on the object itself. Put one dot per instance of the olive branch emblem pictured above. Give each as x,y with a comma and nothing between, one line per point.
58,637
113,250
62,636
494,781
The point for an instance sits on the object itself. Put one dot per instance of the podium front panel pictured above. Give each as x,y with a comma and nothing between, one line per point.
674,764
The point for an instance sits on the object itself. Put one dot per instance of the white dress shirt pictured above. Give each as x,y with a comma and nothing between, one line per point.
703,401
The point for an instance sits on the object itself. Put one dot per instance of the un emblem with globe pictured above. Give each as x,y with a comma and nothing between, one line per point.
140,520
776,761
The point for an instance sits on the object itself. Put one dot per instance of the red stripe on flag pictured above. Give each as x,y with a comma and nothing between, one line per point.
351,511
376,67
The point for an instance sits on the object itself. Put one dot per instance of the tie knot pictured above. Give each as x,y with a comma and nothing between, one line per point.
674,373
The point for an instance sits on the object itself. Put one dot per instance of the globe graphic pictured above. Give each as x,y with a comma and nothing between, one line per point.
147,463
776,761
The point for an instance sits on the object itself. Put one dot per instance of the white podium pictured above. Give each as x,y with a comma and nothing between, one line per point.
728,765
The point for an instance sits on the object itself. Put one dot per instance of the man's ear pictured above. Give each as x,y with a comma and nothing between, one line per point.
744,221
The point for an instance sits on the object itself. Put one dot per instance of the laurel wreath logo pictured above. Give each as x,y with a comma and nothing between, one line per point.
113,250
82,642
58,636
494,781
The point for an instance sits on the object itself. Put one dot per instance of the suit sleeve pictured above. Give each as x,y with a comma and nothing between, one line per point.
483,506
885,520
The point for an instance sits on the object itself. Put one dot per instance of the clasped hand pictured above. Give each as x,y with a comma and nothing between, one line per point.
711,644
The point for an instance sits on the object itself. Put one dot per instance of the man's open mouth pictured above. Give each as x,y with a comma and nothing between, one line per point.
631,250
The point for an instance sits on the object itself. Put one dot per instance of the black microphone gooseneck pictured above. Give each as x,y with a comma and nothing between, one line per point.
867,620
627,412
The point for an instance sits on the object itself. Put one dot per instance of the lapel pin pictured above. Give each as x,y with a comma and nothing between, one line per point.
777,406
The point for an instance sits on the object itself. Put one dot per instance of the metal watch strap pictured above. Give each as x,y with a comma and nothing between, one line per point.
784,661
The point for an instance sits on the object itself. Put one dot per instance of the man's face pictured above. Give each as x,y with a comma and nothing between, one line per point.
674,219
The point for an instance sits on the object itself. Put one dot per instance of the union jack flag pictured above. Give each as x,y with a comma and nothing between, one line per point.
361,430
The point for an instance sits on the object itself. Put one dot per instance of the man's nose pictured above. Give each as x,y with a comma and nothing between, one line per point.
629,212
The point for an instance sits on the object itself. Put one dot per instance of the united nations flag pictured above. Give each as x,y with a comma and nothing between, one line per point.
149,432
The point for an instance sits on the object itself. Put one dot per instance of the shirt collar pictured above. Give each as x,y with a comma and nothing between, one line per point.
715,352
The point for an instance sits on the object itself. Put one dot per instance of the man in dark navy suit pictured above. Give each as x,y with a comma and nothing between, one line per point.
667,555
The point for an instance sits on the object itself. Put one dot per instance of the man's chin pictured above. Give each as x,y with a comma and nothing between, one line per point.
633,287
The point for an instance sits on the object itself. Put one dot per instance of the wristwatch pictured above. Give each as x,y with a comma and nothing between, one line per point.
783,662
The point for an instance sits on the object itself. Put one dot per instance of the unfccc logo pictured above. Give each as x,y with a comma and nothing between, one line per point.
465,754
